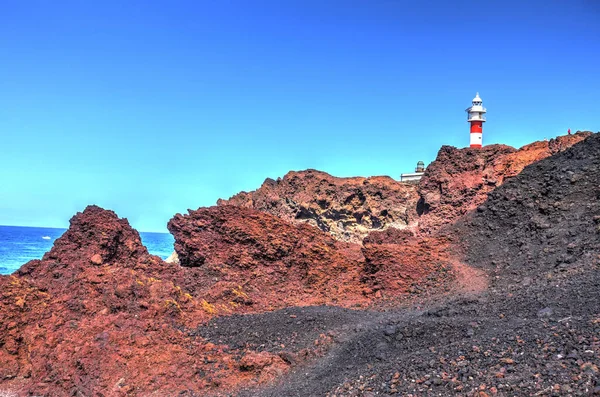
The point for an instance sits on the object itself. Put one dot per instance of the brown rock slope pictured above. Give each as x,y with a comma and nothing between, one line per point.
257,261
99,316
460,179
347,208
397,263
250,261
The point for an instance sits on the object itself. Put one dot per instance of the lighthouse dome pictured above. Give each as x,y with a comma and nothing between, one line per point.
477,98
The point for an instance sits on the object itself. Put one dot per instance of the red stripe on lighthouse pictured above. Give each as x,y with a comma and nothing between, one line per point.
476,126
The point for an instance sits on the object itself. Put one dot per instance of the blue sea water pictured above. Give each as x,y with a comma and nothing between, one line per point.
19,244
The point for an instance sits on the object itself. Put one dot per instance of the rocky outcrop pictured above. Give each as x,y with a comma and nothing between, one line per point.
347,208
98,313
460,179
96,238
250,258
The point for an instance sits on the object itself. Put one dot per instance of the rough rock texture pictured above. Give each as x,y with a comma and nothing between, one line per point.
348,208
98,316
460,179
250,258
534,332
547,219
97,235
398,263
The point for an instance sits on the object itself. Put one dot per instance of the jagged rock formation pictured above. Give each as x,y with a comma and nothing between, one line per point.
347,208
99,314
255,259
96,237
460,179
350,208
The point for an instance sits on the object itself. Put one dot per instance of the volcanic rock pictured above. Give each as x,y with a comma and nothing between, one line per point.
251,258
516,338
459,180
98,314
95,234
547,217
397,262
347,208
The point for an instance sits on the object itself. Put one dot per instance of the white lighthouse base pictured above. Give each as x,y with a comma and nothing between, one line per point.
476,139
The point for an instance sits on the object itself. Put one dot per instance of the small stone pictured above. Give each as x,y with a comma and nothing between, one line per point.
589,367
545,312
389,331
96,259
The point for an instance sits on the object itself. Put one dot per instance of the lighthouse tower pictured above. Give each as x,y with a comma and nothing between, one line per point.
476,119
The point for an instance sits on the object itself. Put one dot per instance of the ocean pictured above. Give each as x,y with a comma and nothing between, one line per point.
19,244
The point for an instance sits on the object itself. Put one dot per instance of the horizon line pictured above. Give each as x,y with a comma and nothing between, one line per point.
66,228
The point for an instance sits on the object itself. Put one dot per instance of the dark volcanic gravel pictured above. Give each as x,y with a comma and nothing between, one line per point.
292,329
534,332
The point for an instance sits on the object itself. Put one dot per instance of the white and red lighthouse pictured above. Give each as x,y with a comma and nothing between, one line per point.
476,119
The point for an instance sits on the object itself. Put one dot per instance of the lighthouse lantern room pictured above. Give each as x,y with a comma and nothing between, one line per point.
476,118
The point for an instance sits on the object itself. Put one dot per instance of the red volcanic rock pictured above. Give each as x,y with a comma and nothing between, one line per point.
396,262
459,180
246,260
98,314
247,257
97,235
347,208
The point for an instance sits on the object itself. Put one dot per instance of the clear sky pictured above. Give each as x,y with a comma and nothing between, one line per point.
153,107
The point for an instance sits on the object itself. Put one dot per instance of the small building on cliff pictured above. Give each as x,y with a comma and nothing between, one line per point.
414,177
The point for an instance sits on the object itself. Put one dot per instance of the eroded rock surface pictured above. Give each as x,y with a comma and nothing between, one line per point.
460,179
534,331
99,314
347,208
247,257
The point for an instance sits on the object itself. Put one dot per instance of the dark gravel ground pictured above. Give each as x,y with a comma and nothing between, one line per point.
287,330
534,332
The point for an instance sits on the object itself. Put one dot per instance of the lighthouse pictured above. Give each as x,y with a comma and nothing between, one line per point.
476,118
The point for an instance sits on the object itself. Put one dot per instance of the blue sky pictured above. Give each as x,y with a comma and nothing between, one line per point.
151,108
